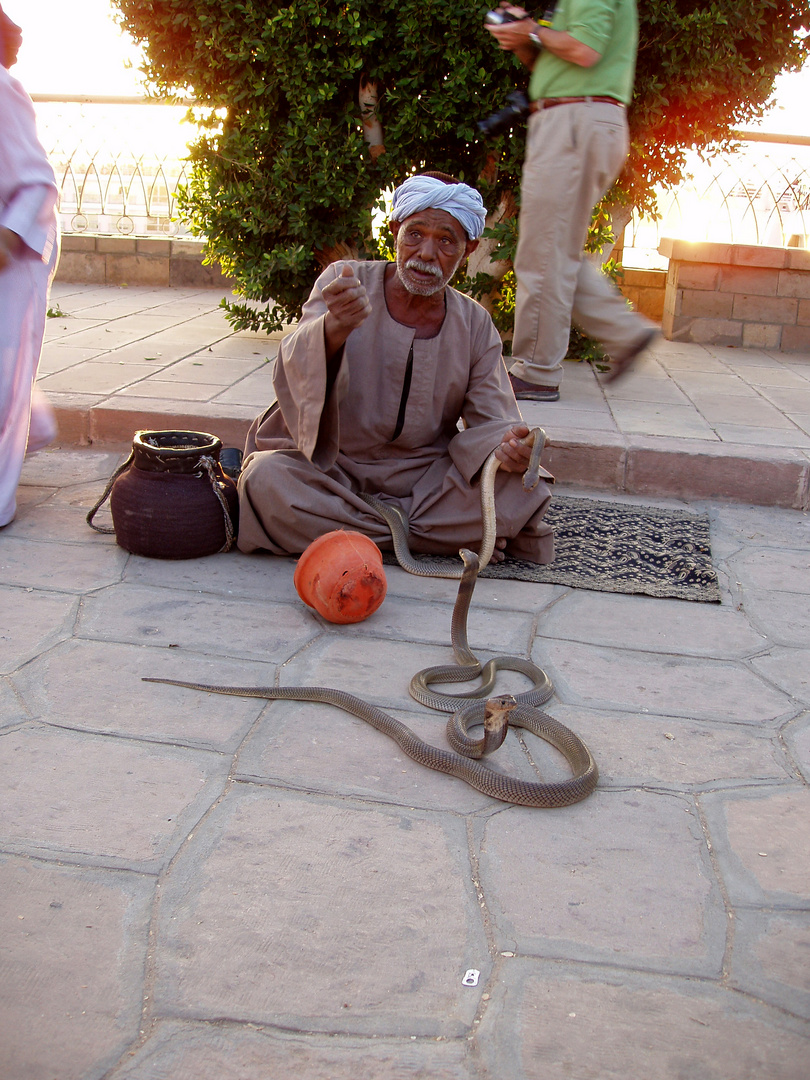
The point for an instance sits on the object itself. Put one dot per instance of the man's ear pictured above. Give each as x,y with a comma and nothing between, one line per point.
471,246
394,227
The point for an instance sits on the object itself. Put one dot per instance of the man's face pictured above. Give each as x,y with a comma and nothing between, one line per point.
10,40
431,245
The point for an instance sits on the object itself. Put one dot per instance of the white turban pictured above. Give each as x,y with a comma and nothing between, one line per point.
427,193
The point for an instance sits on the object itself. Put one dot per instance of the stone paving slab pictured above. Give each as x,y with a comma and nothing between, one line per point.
562,893
57,683
68,469
336,660
196,885
746,435
12,708
30,623
81,796
769,570
782,616
148,616
70,996
491,630
797,737
153,389
591,1023
670,752
252,577
81,567
763,844
771,958
662,420
703,689
738,526
251,913
657,626
788,669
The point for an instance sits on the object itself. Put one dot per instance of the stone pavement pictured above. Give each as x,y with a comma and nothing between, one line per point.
211,888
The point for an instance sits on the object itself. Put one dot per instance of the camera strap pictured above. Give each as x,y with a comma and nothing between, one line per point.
548,14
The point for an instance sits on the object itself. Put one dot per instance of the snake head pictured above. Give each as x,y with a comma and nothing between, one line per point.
537,440
496,721
498,706
469,558
496,712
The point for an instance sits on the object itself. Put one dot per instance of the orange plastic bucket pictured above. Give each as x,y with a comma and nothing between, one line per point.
341,576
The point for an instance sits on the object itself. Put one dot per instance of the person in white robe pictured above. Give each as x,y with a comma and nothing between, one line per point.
393,384
29,250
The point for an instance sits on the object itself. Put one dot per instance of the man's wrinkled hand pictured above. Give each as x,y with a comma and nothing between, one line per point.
513,453
347,302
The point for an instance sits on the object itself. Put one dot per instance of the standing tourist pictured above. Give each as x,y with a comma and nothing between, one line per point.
29,249
583,68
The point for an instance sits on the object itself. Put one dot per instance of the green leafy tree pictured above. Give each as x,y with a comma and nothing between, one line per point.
309,110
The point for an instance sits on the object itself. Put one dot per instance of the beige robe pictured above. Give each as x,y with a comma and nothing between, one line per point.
310,454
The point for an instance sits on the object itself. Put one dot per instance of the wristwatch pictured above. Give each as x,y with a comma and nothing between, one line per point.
534,38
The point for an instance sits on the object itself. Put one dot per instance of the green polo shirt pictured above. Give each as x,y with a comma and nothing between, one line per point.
608,26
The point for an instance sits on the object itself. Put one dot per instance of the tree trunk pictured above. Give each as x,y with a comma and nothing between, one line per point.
620,214
481,261
325,256
368,96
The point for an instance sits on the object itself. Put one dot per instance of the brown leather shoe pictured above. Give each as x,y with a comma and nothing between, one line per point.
620,365
525,391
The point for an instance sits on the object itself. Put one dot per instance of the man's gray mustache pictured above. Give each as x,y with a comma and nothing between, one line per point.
423,268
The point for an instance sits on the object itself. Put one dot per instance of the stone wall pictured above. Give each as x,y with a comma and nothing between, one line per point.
645,289
121,260
735,294
117,260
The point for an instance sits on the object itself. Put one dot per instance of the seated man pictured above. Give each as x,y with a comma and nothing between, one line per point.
371,385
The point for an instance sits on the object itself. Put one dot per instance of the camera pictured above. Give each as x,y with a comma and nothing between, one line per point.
500,16
517,109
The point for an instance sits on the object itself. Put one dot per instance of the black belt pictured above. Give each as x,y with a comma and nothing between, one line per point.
549,103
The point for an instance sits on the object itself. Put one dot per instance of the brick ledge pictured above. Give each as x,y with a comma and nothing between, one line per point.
128,260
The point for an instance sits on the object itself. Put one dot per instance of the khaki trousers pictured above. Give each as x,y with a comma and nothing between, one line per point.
574,153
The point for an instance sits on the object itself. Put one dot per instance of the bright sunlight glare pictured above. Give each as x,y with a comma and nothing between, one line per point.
74,48
77,48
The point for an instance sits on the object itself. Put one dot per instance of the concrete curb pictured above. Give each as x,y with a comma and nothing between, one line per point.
688,469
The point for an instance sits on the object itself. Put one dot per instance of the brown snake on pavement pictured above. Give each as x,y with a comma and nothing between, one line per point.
494,713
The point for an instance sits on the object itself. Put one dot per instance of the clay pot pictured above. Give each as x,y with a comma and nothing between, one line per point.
341,576
164,504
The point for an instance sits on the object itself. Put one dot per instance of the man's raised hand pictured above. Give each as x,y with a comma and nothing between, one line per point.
348,306
514,453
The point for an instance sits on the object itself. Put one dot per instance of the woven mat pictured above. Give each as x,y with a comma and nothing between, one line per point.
616,547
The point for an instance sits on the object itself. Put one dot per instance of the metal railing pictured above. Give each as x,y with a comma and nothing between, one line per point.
120,160
758,195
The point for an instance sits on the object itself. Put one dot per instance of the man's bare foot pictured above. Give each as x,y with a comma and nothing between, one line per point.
497,554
